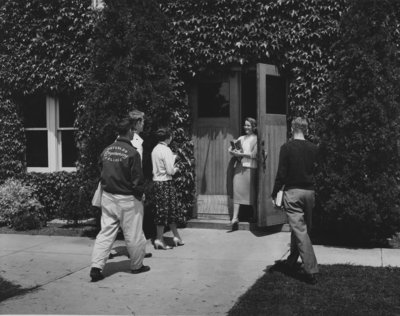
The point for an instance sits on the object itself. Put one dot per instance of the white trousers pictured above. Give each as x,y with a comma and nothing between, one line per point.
123,211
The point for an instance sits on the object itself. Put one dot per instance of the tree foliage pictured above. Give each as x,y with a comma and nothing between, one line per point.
132,68
358,126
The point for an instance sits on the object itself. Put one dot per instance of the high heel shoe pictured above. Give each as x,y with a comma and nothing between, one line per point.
178,242
158,244
235,226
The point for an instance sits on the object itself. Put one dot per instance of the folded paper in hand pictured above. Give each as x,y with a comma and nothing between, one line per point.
279,199
96,201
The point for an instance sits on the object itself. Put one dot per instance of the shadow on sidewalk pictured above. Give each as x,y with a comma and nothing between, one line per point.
8,289
116,266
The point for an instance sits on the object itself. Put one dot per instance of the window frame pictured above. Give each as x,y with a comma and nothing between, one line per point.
54,138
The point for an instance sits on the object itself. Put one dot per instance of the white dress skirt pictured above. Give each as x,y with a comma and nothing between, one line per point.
244,185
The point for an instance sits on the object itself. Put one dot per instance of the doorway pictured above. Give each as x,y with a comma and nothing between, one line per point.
248,108
220,105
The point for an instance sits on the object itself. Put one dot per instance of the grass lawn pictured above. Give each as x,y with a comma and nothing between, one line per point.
341,290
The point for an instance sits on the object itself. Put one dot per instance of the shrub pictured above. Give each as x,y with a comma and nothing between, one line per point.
49,188
358,126
19,208
75,201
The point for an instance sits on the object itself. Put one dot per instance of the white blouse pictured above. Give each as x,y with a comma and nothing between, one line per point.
249,145
163,161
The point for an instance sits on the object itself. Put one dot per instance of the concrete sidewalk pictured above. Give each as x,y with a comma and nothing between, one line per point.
204,277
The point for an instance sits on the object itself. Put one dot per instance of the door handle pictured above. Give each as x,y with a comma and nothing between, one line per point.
264,156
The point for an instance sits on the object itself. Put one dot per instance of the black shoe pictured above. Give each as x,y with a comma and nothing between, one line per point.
96,275
311,279
141,270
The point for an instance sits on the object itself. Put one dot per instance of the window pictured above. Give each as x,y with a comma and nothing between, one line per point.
276,95
213,98
48,123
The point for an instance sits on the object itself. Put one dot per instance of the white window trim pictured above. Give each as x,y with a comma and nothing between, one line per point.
54,148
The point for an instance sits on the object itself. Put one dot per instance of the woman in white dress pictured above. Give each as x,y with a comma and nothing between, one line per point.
245,173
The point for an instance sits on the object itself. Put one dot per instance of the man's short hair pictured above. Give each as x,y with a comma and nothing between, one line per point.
125,125
300,124
162,134
136,116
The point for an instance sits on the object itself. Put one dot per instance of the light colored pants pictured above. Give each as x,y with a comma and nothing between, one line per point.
298,205
125,211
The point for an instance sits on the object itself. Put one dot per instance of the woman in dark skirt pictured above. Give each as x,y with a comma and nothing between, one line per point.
166,212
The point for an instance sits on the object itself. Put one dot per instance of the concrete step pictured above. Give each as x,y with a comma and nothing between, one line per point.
214,224
225,225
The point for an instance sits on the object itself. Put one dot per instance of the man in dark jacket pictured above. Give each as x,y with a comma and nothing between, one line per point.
297,160
121,202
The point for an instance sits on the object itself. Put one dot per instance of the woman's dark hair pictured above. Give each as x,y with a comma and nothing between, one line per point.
162,134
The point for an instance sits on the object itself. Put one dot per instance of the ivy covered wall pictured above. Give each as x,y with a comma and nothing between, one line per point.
44,49
44,45
294,35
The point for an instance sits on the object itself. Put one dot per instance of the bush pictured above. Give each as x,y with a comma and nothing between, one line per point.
49,188
75,201
19,208
358,126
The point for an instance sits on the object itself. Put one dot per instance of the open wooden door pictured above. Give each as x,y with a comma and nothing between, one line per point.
215,104
272,134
